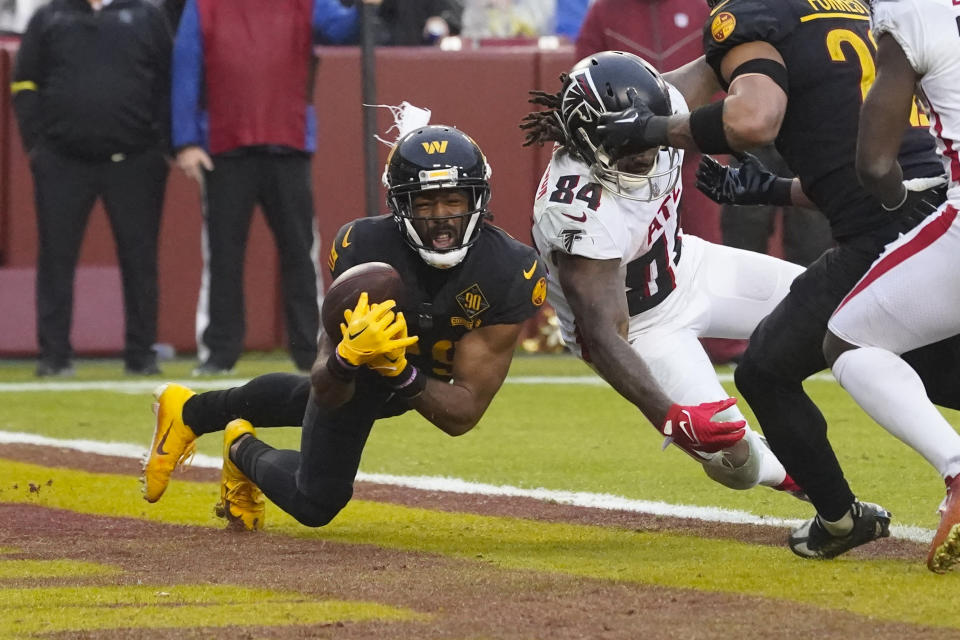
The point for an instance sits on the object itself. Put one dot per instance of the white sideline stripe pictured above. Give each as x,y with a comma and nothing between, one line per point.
147,386
456,485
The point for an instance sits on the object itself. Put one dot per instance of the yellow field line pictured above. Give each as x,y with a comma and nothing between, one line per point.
666,559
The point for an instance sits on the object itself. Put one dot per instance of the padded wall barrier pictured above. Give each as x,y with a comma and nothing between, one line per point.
482,91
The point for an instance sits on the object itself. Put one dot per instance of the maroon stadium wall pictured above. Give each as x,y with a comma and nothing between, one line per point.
482,91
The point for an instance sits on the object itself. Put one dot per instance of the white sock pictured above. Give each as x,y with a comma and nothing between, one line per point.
891,392
771,472
840,527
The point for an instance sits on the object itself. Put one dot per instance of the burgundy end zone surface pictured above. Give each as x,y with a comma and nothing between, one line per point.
465,598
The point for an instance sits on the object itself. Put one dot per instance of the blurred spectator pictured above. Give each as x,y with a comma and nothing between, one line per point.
244,128
14,14
508,18
570,15
91,93
173,9
419,23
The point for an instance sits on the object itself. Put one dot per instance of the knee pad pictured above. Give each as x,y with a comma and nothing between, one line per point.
747,475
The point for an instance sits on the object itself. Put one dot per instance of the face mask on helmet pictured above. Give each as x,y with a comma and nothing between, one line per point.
599,84
438,190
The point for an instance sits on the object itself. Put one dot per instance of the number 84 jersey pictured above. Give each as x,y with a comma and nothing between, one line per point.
575,215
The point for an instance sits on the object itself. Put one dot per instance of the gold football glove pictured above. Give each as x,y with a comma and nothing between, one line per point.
370,331
393,362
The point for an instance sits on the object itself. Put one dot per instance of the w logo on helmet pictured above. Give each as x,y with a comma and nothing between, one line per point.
435,146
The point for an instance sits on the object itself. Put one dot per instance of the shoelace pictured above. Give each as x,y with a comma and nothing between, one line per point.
186,458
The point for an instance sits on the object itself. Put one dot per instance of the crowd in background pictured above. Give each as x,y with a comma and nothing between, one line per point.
665,32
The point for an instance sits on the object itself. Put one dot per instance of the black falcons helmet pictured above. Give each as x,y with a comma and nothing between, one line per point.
599,84
437,157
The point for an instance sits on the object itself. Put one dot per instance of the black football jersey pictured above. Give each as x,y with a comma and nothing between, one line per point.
500,281
829,53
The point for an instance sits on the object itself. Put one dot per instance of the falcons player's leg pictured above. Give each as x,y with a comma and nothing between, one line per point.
907,299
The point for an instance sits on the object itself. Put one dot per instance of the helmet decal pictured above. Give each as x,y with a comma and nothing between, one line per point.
604,83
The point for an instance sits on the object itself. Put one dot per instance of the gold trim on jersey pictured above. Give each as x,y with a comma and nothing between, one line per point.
332,258
846,16
718,7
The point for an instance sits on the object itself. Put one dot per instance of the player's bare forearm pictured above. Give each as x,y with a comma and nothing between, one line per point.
595,291
883,117
618,364
799,197
480,365
678,132
695,80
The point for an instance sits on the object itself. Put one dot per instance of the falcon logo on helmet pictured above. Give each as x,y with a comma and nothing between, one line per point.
426,160
600,84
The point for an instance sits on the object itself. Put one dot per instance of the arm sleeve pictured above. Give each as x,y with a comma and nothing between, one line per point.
737,22
525,295
187,76
333,22
28,78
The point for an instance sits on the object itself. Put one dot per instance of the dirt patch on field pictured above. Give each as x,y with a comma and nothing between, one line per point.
465,599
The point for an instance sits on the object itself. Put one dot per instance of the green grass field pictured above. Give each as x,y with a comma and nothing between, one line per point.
578,437
554,425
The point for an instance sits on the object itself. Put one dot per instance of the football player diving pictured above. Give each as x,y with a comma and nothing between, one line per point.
469,287
629,287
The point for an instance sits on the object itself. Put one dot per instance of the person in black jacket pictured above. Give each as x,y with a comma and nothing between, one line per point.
91,89
420,23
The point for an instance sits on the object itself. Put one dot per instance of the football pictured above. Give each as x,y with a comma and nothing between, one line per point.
378,279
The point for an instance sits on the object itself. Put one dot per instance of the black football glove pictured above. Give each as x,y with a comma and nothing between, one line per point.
749,184
917,205
633,130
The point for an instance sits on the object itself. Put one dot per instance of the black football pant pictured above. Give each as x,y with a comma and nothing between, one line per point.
65,189
787,347
315,483
280,184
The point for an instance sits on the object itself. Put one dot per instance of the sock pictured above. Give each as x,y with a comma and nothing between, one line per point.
891,392
838,528
771,472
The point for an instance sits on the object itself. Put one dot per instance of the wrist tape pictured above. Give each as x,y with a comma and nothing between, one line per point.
340,369
409,384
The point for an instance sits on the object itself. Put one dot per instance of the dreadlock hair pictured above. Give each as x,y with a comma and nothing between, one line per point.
545,126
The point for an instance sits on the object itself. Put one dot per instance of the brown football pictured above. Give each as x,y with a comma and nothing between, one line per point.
380,281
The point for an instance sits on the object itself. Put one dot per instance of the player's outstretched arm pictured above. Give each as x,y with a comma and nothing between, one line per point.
595,291
749,117
480,365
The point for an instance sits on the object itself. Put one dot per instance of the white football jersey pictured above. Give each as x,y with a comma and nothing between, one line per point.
574,214
928,31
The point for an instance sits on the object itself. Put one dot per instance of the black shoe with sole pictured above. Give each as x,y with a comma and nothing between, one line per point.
812,540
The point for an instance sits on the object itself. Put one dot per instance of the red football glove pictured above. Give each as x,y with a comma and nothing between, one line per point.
692,427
